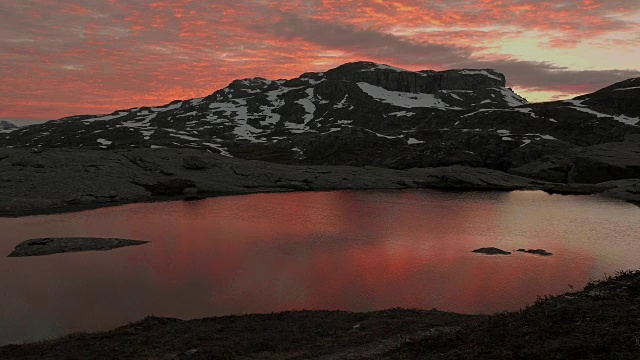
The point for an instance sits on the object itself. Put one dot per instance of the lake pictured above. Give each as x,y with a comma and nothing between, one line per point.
349,250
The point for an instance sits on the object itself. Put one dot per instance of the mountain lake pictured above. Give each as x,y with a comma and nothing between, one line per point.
347,250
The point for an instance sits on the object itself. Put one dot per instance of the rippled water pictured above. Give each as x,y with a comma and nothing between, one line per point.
334,250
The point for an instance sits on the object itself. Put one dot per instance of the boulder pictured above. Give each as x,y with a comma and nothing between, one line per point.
194,163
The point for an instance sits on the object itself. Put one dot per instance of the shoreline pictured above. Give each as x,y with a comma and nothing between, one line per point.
554,189
596,322
63,180
73,208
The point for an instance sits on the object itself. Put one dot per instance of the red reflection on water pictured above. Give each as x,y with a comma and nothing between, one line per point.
339,250
345,250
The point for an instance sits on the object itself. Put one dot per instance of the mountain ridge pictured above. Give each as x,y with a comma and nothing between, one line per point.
360,113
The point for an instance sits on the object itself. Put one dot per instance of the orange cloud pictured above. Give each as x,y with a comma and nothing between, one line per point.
80,56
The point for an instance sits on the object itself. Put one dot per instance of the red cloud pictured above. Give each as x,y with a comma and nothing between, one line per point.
81,56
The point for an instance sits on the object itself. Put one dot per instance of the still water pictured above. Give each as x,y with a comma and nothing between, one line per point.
345,250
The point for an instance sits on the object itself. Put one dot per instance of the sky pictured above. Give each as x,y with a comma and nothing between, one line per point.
60,58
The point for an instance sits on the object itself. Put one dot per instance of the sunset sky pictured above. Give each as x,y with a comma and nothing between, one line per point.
61,58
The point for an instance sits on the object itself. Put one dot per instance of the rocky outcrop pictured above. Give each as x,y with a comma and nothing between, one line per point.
80,178
7,125
77,179
194,163
50,246
168,186
425,81
590,165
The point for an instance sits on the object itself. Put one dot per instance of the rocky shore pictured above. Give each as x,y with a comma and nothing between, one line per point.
599,322
59,180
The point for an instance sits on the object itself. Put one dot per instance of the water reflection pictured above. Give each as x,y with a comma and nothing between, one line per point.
337,250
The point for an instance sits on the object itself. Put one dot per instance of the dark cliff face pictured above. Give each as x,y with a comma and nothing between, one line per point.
426,81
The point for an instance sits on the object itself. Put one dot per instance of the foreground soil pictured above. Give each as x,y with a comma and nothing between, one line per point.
600,322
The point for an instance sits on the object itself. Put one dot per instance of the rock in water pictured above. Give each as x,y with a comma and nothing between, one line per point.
49,246
491,251
541,252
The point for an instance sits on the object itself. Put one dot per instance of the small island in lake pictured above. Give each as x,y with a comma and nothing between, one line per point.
50,246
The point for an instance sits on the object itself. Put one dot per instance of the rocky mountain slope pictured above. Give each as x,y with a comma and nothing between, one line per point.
361,114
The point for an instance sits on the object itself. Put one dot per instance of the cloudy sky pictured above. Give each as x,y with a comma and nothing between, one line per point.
60,58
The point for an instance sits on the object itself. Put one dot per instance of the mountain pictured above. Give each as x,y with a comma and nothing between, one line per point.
6,125
360,114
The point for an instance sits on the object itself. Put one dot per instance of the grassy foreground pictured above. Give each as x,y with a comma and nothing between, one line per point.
600,322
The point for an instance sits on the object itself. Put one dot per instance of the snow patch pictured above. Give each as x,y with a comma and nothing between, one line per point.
223,151
342,103
147,133
628,88
275,103
512,98
527,111
413,141
402,113
574,102
238,112
107,117
402,99
167,108
308,105
479,72
479,111
197,101
185,137
621,118
382,135
104,142
384,67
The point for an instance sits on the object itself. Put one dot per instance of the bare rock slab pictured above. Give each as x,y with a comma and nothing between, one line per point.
49,246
